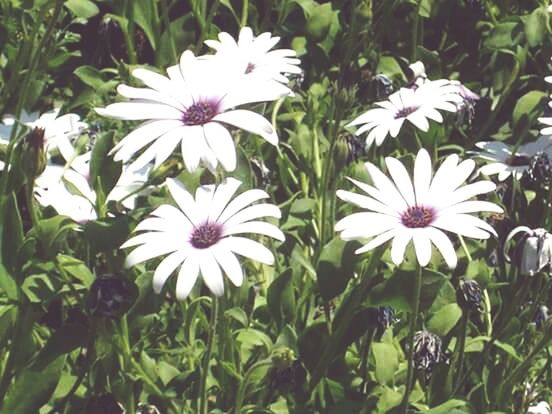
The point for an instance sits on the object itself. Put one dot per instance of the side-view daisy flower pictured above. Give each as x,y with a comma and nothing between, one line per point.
202,235
419,210
191,108
415,105
58,130
505,163
254,56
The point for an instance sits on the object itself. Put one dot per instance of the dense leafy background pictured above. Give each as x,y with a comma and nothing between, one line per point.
301,336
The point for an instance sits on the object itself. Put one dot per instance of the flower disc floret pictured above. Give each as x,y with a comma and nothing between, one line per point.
199,113
417,216
206,235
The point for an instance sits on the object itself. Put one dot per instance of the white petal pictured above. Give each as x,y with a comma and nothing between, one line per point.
165,146
173,216
493,168
187,277
253,212
468,191
473,206
167,267
211,273
258,227
401,240
422,246
149,251
377,241
444,245
402,179
191,151
229,263
133,111
148,94
248,248
184,200
419,120
250,121
396,203
362,219
422,176
365,202
241,201
223,195
382,183
222,144
458,224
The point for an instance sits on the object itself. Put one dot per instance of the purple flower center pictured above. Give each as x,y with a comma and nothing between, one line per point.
206,235
518,160
200,113
404,112
418,216
250,68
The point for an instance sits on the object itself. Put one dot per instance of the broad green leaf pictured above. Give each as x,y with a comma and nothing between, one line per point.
166,372
146,16
104,171
336,267
537,27
386,358
85,9
446,407
445,319
107,234
528,105
33,387
281,299
64,340
504,35
389,66
77,269
319,22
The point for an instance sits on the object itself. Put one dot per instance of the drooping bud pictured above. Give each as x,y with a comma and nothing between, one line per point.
287,371
428,351
532,252
416,74
262,172
111,296
465,109
468,295
541,315
349,148
539,173
33,156
384,86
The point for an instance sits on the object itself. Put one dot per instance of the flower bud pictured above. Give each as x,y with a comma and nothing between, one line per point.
416,74
170,168
468,295
541,315
539,173
349,148
532,252
428,351
287,371
111,296
384,86
33,157
147,409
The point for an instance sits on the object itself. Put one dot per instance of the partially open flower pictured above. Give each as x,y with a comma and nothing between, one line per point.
532,252
469,295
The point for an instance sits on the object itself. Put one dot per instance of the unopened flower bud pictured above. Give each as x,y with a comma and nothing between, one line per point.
349,148
33,157
111,296
428,351
469,296
539,173
416,74
170,168
384,86
287,371
532,252
147,409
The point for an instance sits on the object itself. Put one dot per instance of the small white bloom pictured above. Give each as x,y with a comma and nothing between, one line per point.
533,252
504,163
542,407
253,55
190,108
416,105
419,210
200,235
59,131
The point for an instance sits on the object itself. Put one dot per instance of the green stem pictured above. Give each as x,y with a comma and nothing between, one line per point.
245,382
489,10
167,23
128,33
411,331
415,33
203,392
461,344
245,12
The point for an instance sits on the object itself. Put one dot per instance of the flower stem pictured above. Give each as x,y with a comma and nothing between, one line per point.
460,351
203,394
245,12
415,32
411,331
167,23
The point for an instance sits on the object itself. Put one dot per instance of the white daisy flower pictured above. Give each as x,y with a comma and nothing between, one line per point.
504,163
418,210
190,108
254,57
416,105
59,131
68,189
201,235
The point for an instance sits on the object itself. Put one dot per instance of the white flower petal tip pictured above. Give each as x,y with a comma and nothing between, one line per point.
420,210
203,235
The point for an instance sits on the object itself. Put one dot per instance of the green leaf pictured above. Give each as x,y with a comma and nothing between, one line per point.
33,387
537,27
64,340
386,359
389,66
504,35
336,267
319,22
104,171
529,105
146,16
281,299
85,9
446,408
77,269
90,76
107,234
445,319
166,372
12,233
